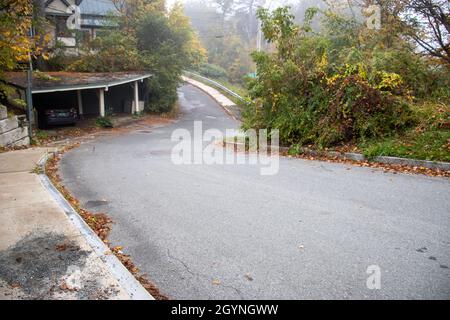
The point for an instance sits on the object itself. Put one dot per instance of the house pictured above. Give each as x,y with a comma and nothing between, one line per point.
73,21
92,94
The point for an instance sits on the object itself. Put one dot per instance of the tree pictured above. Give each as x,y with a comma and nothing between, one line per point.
17,18
167,46
313,94
113,50
146,37
228,32
225,7
247,10
429,21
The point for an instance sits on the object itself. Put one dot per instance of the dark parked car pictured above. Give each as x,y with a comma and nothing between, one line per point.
57,117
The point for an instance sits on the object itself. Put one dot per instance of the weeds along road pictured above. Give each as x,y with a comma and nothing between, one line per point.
225,231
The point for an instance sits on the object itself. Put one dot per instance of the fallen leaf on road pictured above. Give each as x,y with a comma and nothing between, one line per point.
65,287
61,247
248,276
301,247
216,282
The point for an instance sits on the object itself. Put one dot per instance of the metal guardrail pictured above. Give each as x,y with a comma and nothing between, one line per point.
216,84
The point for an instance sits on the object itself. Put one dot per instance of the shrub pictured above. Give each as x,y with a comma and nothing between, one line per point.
212,71
312,100
103,122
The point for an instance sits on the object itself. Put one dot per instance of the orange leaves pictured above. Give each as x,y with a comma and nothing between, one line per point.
391,168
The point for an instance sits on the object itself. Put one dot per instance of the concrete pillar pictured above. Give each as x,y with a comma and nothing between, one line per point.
101,101
136,97
80,103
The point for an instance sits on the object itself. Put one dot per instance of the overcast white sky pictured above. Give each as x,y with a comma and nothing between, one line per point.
268,2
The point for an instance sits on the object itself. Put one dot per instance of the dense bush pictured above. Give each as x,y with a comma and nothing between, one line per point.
103,122
113,50
330,88
212,71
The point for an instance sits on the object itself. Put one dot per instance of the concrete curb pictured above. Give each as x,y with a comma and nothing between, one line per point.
214,95
126,280
444,166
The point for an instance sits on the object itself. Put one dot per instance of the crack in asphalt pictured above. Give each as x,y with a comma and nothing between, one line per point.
200,275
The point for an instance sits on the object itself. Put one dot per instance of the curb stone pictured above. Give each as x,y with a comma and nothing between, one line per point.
127,281
445,166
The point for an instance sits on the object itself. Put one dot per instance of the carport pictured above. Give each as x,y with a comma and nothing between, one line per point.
90,93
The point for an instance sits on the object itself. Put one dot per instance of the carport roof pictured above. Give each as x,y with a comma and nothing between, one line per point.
66,81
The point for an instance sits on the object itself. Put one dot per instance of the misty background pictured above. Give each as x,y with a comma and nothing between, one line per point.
229,29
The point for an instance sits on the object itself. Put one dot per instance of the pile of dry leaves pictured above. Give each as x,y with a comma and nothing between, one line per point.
392,168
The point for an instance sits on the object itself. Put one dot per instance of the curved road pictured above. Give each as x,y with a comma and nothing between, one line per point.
225,231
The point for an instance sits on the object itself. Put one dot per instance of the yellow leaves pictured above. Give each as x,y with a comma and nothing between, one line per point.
15,41
45,56
389,81
362,72
322,63
331,80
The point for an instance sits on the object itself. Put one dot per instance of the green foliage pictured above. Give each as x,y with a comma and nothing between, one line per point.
212,71
103,122
113,50
146,38
41,135
338,87
430,145
228,30
164,53
159,45
16,44
44,76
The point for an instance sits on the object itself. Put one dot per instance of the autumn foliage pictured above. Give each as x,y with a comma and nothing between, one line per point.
348,85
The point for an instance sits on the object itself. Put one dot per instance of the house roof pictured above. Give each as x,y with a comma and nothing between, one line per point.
97,7
67,81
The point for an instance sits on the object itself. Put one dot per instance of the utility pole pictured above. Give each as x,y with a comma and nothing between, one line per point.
258,38
29,89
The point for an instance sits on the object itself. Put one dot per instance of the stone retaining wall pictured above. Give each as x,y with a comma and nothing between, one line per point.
12,133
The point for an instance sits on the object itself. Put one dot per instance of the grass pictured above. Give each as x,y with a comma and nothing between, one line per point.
103,122
41,135
429,139
429,145
233,87
38,169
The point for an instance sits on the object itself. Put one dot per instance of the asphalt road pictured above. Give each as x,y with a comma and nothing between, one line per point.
227,232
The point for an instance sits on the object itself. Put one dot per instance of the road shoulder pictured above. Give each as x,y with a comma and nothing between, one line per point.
45,251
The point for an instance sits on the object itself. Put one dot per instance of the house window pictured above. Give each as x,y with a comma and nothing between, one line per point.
61,27
86,35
